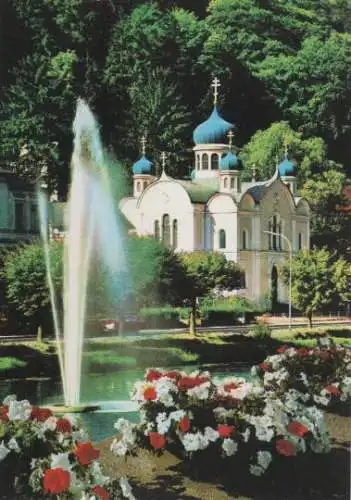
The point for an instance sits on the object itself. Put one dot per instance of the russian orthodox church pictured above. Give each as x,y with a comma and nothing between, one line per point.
252,223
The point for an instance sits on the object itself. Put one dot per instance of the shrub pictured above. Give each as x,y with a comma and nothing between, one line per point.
160,317
260,331
195,415
42,456
319,375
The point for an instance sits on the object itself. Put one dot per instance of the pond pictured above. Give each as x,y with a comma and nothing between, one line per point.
110,390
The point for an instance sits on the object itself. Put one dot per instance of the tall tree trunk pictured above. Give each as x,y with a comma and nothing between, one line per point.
192,317
309,316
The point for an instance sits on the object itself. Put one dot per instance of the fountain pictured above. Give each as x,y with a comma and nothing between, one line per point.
92,231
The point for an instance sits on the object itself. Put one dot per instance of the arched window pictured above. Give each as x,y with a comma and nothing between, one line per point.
244,239
205,161
222,239
145,184
175,233
166,233
214,161
275,230
232,181
138,187
300,242
157,229
197,162
225,182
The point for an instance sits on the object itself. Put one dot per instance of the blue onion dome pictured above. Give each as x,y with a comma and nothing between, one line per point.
213,130
287,168
230,162
142,166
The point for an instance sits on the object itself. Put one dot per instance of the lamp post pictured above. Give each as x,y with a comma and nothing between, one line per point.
290,266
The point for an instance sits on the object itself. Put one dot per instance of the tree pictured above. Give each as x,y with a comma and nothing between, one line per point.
157,274
319,280
207,271
266,148
330,225
26,281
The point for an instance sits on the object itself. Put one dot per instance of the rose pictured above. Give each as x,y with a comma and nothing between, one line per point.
286,448
150,394
298,429
332,389
40,414
153,375
56,480
63,425
157,441
186,382
86,453
4,413
184,424
100,492
225,430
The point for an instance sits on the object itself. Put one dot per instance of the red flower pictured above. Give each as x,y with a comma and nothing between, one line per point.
63,425
56,480
86,453
40,414
153,375
101,492
185,383
172,374
225,430
282,349
332,389
184,424
265,367
4,413
286,448
150,394
303,352
232,385
298,429
157,441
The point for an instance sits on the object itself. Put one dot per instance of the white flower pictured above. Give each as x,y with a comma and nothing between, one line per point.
126,488
163,423
304,379
201,391
164,388
98,477
322,400
13,445
194,441
264,458
177,415
76,485
254,371
246,434
50,424
211,434
8,399
3,451
230,447
19,410
80,435
256,470
119,448
60,460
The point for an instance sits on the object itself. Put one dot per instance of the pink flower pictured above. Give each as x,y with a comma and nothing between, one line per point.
298,429
86,453
63,425
153,375
332,389
150,394
184,424
56,481
225,430
157,441
286,448
100,492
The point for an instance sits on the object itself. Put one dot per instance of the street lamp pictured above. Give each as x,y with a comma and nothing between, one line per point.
290,265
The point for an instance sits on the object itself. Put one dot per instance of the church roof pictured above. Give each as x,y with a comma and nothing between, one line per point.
198,193
287,168
142,166
230,162
213,130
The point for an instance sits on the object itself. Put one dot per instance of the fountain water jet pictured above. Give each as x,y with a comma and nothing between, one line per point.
92,228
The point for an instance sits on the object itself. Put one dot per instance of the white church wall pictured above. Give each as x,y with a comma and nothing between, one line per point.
128,209
222,212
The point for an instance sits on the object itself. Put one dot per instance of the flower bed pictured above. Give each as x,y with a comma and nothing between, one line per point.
320,375
195,415
42,456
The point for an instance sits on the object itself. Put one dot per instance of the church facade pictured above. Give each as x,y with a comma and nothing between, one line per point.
252,223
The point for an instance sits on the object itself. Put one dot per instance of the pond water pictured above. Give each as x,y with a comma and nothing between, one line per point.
109,390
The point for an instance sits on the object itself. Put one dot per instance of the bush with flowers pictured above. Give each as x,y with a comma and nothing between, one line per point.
195,415
321,375
42,457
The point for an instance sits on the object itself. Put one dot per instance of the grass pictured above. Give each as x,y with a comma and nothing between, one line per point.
308,336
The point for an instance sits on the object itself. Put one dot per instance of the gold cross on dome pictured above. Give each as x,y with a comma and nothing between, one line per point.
215,84
143,145
230,136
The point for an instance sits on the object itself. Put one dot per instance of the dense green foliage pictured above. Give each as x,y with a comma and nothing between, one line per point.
145,68
320,280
